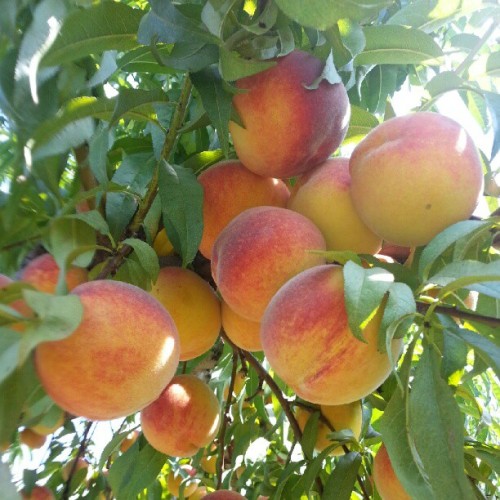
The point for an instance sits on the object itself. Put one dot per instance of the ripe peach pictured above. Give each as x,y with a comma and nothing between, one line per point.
241,331
348,416
193,306
288,128
43,272
228,189
388,485
224,495
118,360
183,419
199,493
38,493
413,176
258,252
208,461
307,341
323,195
129,441
30,438
187,478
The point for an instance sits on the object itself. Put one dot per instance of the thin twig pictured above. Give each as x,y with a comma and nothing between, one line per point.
423,307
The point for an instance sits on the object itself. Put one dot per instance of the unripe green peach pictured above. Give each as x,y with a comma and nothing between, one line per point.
413,176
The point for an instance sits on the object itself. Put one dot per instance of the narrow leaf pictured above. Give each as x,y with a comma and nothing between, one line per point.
360,123
341,481
105,26
386,44
181,200
146,256
9,352
437,429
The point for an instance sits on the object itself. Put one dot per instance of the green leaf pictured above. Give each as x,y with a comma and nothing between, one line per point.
146,256
233,66
137,101
322,14
58,317
432,15
9,352
168,24
396,437
386,44
105,26
483,347
190,56
493,102
466,273
343,477
360,123
15,391
135,470
443,82
47,19
94,219
441,242
309,434
67,234
400,303
216,101
181,200
437,429
364,290
214,15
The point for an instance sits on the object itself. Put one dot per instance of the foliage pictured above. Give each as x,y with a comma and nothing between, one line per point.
108,104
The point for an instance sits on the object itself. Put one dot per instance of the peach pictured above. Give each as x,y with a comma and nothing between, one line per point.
43,272
308,343
224,495
341,417
38,493
118,360
183,419
129,440
388,485
162,245
228,189
323,195
185,475
258,252
199,493
242,332
32,439
288,128
194,307
208,461
413,176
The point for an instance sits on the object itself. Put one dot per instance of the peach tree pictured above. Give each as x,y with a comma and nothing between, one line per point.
114,116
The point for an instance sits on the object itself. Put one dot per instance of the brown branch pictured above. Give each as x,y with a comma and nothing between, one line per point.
81,451
423,307
178,117
225,418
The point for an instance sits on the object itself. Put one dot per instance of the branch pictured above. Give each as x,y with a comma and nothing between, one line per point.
423,307
225,418
81,451
176,122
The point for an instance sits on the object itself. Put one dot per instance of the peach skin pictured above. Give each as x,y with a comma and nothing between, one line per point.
388,485
241,331
118,360
307,341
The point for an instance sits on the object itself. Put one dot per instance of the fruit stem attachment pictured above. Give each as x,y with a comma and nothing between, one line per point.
425,308
178,116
